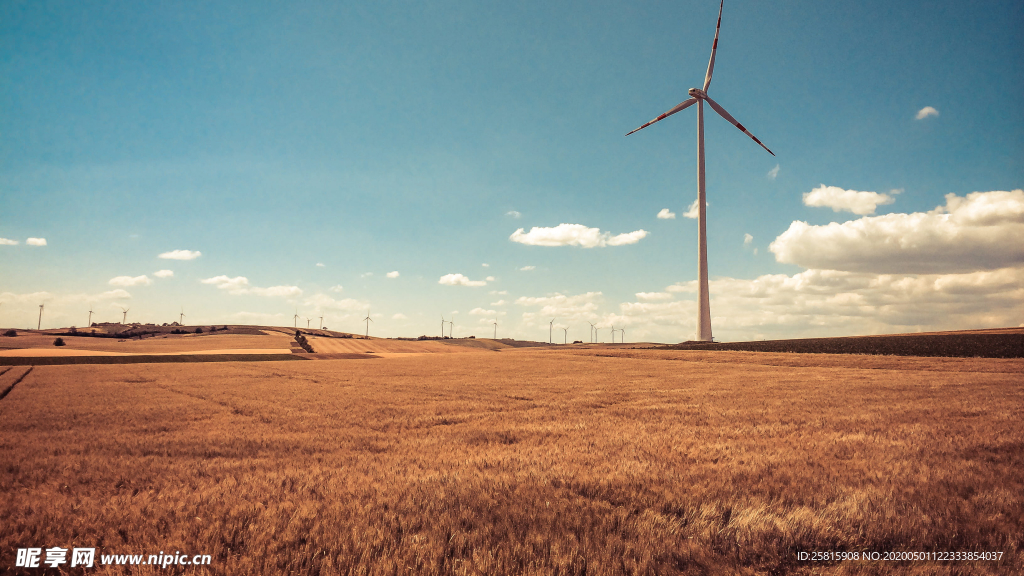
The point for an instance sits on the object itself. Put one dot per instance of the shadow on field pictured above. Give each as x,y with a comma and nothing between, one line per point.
948,345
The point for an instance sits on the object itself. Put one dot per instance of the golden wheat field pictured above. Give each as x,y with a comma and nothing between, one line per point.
520,461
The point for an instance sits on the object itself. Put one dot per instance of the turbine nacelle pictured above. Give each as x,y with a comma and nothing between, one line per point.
697,93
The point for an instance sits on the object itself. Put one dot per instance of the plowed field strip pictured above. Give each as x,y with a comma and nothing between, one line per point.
15,383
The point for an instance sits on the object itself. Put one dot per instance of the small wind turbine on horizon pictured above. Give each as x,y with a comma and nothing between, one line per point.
124,314
565,339
296,318
591,331
90,316
550,327
368,320
699,96
495,328
321,322
181,317
443,322
39,325
308,320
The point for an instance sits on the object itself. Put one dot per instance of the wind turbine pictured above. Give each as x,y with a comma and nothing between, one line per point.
124,314
698,96
181,317
622,339
451,326
550,326
565,337
321,322
613,334
443,322
495,328
368,320
296,318
90,316
39,326
591,331
308,320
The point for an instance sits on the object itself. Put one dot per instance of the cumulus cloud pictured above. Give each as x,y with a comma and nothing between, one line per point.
8,242
337,288
181,255
393,274
325,302
36,241
692,211
321,265
486,265
747,239
128,281
482,312
399,316
574,235
164,273
982,231
240,285
489,279
527,268
653,296
773,173
513,214
666,214
861,203
926,112
562,306
460,280
498,303
498,292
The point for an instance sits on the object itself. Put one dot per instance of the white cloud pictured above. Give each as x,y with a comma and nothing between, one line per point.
337,288
321,265
489,279
128,281
926,112
561,306
747,239
325,302
862,203
574,235
366,274
393,274
8,242
665,214
498,292
982,231
164,273
498,303
527,268
240,285
460,280
692,210
36,241
774,172
399,316
513,214
653,296
486,265
181,255
482,312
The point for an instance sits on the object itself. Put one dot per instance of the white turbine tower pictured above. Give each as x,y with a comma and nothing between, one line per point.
443,322
308,320
591,331
90,316
296,318
699,96
39,326
495,328
321,322
124,315
181,317
550,328
565,338
368,320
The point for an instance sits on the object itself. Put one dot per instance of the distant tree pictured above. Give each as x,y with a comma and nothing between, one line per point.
199,330
58,342
10,333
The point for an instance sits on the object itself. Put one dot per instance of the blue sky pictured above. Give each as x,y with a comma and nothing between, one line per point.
311,151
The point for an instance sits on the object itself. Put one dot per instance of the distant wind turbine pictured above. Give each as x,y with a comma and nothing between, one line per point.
39,326
181,317
699,96
622,338
613,334
451,326
565,339
124,315
495,328
443,322
550,327
368,320
308,320
296,318
591,331
321,322
90,316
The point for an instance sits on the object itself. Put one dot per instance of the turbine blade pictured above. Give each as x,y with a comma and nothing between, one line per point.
679,107
714,49
721,112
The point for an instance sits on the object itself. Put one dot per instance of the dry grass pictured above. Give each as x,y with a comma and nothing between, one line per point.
520,462
167,344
